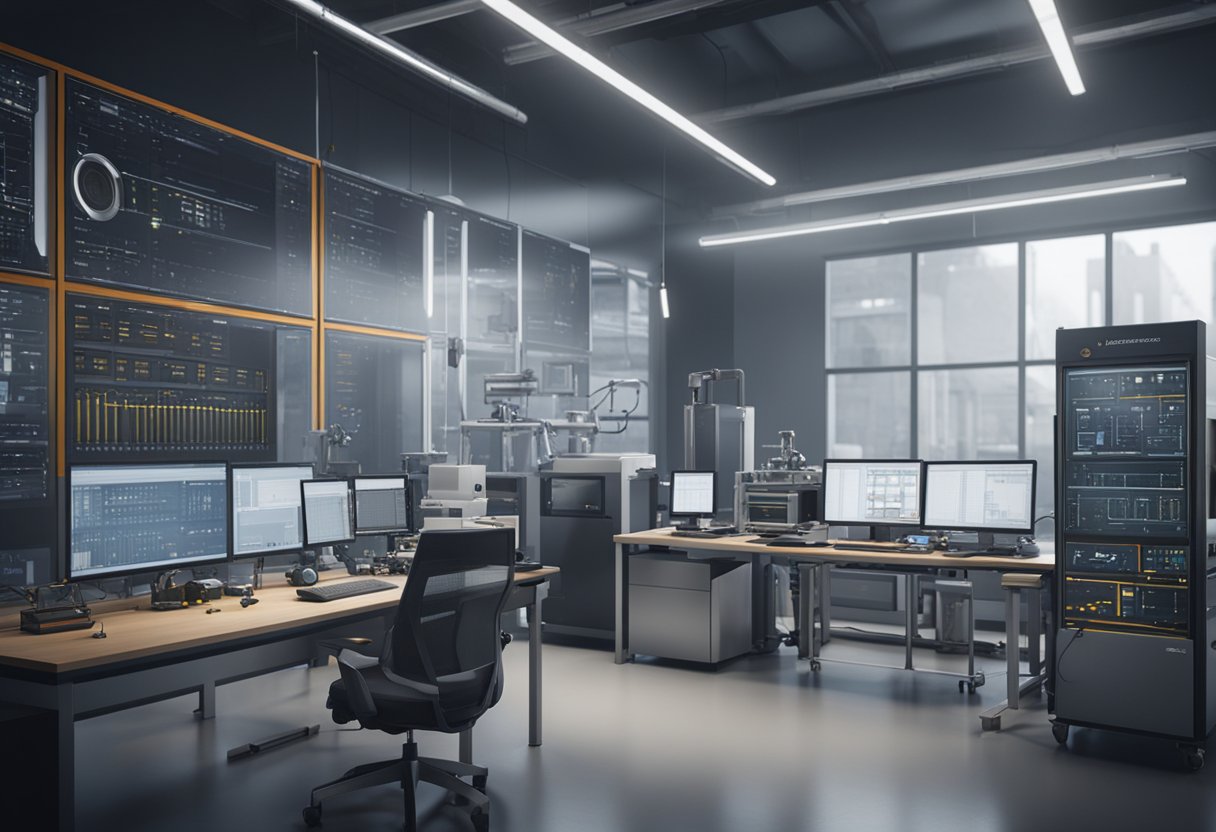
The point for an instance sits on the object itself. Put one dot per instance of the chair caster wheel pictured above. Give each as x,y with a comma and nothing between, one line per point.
1194,758
816,666
312,816
481,821
1059,730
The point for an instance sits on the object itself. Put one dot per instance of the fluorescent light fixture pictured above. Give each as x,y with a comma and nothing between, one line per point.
413,60
428,261
1049,21
947,209
663,301
541,32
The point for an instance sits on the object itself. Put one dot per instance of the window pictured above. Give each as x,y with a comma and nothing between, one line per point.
967,371
1165,274
869,311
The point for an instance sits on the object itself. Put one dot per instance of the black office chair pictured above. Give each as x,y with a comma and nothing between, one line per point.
440,669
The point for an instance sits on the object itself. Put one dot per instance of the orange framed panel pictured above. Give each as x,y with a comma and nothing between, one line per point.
327,326
106,85
28,280
95,290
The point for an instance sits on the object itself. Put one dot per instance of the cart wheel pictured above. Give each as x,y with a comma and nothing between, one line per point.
972,687
961,685
1059,730
312,816
815,665
1194,758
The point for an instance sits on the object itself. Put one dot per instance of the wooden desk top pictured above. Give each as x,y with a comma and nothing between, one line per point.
750,544
142,633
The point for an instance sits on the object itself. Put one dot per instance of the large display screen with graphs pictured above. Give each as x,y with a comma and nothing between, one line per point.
374,248
373,389
157,201
149,382
556,293
24,148
1126,522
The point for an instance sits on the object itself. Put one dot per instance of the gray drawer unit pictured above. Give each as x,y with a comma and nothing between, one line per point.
692,610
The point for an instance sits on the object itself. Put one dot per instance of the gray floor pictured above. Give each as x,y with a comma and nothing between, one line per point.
763,744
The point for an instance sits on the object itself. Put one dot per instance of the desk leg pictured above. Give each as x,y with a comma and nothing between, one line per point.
534,678
910,617
825,603
1033,631
806,609
65,715
622,604
466,746
206,700
1012,669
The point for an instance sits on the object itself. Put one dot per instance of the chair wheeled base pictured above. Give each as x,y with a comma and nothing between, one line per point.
407,771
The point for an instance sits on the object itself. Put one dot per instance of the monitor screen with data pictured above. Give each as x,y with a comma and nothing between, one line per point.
993,496
124,519
693,493
382,505
266,508
872,492
327,512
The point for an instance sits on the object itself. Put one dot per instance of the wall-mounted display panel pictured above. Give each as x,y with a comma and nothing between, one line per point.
375,245
152,382
556,278
493,284
159,202
374,390
24,177
27,524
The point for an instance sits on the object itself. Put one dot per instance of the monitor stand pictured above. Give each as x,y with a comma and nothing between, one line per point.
695,524
883,534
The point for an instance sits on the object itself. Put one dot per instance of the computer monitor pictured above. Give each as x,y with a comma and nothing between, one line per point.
327,512
694,494
382,505
872,492
130,518
267,513
994,496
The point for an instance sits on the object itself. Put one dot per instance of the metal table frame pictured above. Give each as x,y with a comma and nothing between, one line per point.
109,688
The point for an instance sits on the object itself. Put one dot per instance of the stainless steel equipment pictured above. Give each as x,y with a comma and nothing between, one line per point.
719,437
782,496
585,500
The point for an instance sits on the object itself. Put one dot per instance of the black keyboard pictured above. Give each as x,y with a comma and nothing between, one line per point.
343,589
705,534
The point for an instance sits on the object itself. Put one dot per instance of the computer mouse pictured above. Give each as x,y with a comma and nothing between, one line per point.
1028,549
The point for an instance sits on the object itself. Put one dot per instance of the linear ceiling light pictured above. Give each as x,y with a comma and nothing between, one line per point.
947,209
412,60
595,66
1049,21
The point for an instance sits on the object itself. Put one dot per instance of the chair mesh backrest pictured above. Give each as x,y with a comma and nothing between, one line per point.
447,627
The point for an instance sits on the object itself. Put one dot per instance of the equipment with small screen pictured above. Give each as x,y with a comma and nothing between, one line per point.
327,512
124,519
266,508
383,505
995,496
693,495
872,492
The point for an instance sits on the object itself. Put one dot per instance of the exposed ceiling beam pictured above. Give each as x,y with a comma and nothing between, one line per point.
856,20
1172,22
603,20
1036,164
421,17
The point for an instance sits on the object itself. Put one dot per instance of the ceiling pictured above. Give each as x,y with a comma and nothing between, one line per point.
737,51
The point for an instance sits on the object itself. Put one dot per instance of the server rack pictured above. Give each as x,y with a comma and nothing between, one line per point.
1133,641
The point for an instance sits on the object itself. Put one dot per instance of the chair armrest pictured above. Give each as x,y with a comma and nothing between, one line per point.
337,645
358,696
